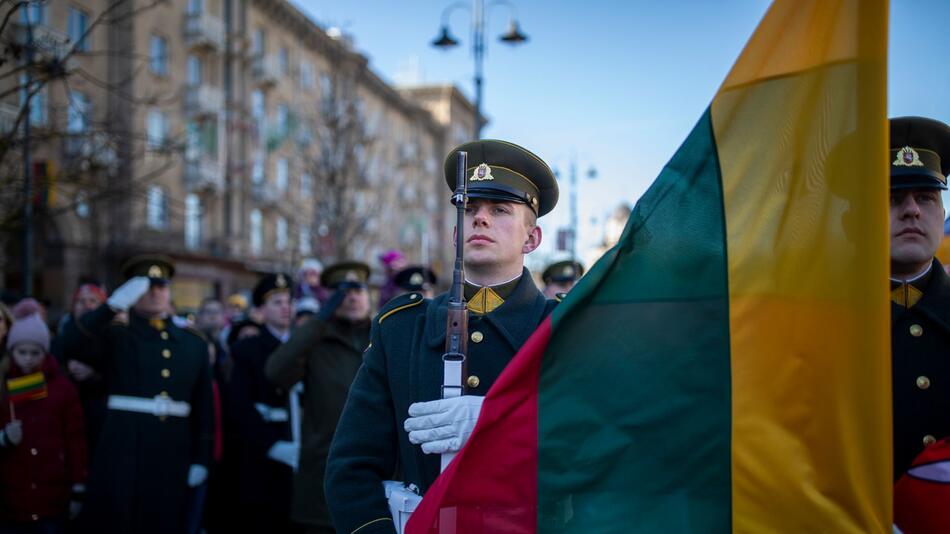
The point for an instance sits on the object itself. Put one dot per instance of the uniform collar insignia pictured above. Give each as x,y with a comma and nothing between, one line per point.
907,157
484,301
157,324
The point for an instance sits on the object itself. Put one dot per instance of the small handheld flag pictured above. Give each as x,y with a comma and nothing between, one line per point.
29,387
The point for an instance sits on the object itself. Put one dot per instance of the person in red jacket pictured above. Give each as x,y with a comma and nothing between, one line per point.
43,443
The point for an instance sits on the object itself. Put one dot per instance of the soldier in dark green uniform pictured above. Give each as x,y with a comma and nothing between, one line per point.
560,277
268,454
402,371
158,432
920,289
325,353
417,279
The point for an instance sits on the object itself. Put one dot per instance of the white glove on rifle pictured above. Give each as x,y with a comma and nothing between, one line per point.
197,474
443,425
285,452
128,293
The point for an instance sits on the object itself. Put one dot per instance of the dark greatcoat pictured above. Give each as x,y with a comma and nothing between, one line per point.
264,484
326,355
138,479
403,365
918,411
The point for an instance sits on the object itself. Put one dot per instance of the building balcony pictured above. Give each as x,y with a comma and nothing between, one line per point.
265,70
203,32
202,100
266,194
88,150
203,175
49,45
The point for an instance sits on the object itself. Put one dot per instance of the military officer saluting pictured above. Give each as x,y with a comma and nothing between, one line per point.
402,371
158,432
261,408
560,277
920,289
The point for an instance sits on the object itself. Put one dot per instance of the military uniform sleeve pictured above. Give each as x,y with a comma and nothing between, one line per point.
84,339
202,411
256,435
286,365
364,449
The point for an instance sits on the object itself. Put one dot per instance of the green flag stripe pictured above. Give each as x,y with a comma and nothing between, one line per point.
654,312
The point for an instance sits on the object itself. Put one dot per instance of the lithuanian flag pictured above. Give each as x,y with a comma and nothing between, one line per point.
27,387
725,367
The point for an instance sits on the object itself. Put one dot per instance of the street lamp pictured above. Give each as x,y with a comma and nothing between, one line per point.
514,36
591,174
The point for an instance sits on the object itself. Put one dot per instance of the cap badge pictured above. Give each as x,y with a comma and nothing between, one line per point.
907,157
482,173
351,276
155,272
416,279
281,281
568,271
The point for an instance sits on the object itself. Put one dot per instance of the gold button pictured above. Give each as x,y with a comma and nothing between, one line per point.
34,452
164,335
166,373
916,330
166,354
929,440
923,382
477,336
473,381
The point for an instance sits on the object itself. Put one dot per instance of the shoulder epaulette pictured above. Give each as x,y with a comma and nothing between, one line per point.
400,303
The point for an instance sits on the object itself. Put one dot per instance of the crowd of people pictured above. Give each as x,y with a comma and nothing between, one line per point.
125,417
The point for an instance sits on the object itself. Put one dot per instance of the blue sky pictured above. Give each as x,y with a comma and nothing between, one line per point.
616,84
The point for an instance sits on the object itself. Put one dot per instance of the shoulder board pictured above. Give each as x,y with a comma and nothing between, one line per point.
558,297
400,303
194,331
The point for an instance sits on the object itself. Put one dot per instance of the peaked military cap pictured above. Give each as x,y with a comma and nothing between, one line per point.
269,285
500,170
563,271
345,271
156,267
920,153
415,278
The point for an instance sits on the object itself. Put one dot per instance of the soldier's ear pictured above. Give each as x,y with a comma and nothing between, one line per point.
533,240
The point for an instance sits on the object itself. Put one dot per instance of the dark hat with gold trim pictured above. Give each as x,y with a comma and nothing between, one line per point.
355,272
500,170
271,284
920,153
155,266
415,278
563,271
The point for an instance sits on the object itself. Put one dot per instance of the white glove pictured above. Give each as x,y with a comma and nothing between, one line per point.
285,452
128,293
443,425
197,474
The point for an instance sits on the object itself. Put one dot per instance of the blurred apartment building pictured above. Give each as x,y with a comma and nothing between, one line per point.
232,135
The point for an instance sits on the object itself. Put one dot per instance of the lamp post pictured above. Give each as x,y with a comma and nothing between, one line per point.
591,174
444,41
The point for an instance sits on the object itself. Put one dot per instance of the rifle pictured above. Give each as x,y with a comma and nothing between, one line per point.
454,365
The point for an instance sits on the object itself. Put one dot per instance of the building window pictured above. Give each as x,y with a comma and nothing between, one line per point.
157,209
326,92
280,179
304,244
39,104
78,115
158,55
257,169
257,43
281,230
306,186
283,120
307,80
78,24
283,61
257,232
156,129
34,13
195,7
192,221
193,65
